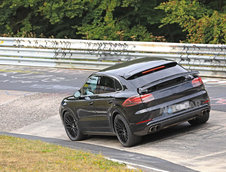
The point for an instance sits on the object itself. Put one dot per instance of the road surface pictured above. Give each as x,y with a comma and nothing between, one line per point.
29,102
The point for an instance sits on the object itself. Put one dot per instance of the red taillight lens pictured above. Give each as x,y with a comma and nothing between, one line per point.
134,100
207,101
197,82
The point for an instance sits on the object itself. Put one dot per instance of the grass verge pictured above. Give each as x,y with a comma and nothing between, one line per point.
18,154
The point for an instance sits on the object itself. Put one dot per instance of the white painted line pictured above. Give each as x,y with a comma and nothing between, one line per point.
137,165
222,82
209,155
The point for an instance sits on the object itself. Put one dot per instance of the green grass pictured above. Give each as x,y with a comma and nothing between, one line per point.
18,154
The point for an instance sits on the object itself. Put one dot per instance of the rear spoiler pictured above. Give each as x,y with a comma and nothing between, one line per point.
144,89
149,69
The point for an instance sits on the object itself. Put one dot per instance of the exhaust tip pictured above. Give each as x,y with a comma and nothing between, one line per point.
205,112
157,128
154,129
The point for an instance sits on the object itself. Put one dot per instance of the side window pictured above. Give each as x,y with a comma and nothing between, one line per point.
106,85
90,86
118,86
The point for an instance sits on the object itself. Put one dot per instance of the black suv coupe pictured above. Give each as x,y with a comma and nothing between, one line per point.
133,99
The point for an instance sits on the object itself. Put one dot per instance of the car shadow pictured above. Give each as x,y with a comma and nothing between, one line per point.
172,132
165,134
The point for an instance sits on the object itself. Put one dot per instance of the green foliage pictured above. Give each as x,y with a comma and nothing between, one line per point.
122,20
202,24
208,29
20,18
193,21
40,18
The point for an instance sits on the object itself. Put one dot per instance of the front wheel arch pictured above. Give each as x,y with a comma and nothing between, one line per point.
72,127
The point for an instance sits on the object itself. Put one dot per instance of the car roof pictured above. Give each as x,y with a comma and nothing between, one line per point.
133,67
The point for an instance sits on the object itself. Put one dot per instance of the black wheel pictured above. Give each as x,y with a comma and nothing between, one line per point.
72,128
123,132
200,120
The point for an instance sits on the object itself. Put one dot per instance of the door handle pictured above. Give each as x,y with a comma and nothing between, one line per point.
110,101
90,103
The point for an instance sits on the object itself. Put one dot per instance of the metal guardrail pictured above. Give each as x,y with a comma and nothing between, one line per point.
209,59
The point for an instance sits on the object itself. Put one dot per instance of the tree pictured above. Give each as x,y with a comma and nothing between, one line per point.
196,21
121,20
40,17
201,23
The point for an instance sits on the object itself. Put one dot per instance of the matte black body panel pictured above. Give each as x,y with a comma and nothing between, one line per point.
169,86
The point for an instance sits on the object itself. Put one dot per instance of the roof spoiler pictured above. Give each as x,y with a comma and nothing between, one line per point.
144,89
146,70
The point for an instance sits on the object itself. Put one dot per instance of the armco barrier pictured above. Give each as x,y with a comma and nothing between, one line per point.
209,59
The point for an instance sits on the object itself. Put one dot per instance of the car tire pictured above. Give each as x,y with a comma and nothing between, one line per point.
71,127
123,132
200,119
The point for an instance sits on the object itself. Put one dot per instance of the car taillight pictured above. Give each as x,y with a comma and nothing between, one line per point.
207,101
197,82
135,100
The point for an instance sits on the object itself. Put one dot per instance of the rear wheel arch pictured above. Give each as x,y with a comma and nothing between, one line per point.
200,119
124,133
114,114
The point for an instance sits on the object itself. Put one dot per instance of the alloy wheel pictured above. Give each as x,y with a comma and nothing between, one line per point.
121,131
71,125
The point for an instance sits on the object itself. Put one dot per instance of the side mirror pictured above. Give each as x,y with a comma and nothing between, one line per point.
77,94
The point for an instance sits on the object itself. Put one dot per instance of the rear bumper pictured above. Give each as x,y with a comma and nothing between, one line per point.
167,121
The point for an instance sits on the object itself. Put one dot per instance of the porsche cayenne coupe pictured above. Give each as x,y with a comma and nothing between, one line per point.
133,99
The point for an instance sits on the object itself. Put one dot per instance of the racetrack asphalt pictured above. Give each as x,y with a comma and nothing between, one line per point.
29,102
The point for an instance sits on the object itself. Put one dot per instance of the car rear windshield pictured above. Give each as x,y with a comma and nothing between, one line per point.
142,80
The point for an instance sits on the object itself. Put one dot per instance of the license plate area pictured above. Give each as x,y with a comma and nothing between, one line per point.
177,107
